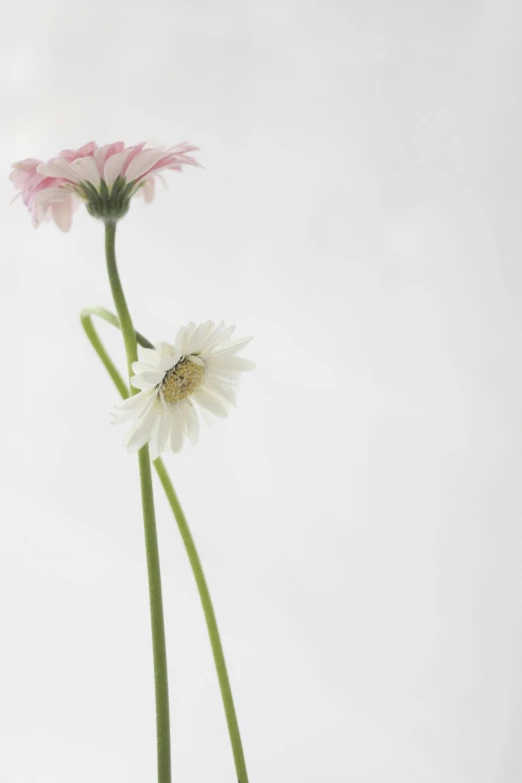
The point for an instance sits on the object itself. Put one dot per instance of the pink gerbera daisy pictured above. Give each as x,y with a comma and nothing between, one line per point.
104,178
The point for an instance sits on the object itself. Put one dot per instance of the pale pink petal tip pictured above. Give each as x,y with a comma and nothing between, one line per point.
52,189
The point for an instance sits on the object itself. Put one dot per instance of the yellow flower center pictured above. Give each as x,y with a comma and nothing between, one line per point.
181,381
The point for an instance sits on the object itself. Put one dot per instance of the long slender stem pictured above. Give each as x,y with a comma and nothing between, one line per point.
210,617
149,519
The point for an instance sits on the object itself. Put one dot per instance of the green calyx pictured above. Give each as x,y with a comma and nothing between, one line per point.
107,204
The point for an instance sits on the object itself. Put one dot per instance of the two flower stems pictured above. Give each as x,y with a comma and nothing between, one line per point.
210,619
130,339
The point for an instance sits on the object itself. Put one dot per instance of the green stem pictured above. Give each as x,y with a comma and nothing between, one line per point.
210,617
124,317
151,539
98,346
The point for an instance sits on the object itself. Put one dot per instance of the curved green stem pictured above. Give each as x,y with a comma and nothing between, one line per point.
151,539
210,617
92,334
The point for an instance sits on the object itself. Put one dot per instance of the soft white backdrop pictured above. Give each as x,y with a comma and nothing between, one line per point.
359,515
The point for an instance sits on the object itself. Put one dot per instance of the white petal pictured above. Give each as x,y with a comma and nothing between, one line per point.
231,348
121,415
168,362
211,337
153,442
130,415
168,356
139,382
235,363
199,336
176,434
183,338
219,335
207,417
154,377
139,367
210,402
142,163
191,421
163,431
229,376
180,339
140,434
135,401
149,355
196,360
223,335
220,389
163,348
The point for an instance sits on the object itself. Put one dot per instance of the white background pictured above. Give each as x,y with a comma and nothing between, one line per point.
359,515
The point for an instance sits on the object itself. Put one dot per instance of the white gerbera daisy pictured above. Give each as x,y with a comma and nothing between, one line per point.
200,367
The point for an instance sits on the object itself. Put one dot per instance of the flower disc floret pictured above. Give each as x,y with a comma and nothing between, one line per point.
182,380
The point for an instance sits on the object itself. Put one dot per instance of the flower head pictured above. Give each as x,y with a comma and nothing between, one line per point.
104,178
200,369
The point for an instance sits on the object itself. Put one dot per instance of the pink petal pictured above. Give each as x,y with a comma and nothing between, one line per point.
142,163
103,153
58,167
135,150
44,199
114,167
116,146
62,213
174,161
82,152
86,169
147,190
38,184
42,184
